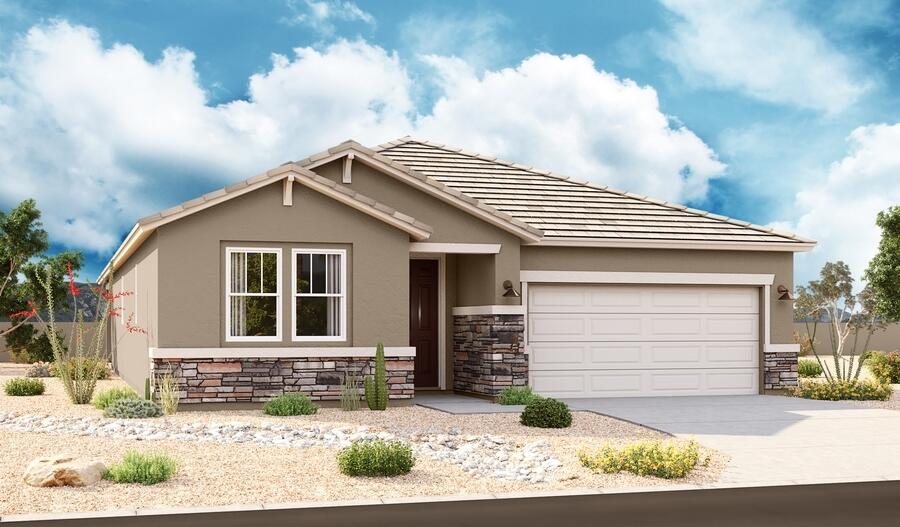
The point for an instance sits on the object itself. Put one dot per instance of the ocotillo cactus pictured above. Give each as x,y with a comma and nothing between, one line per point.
376,388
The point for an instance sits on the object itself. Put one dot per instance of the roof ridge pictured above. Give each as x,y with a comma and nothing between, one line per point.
605,188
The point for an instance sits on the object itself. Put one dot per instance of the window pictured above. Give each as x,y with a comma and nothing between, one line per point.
253,294
320,294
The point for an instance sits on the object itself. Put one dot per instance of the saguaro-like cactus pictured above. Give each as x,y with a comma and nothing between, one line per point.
376,388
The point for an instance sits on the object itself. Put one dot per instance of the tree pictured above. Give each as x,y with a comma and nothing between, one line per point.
883,274
23,242
831,300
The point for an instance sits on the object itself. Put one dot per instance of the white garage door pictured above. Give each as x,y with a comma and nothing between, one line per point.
630,341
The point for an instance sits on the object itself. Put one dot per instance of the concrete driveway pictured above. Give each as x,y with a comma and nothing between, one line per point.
774,439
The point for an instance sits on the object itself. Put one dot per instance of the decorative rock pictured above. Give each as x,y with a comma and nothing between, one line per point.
63,470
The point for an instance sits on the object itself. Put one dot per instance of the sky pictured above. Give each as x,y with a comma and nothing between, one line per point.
782,113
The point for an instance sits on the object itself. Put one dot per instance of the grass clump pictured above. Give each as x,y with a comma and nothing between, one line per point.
809,368
133,409
840,390
290,404
663,459
350,392
146,469
376,458
168,393
103,399
22,386
516,395
546,413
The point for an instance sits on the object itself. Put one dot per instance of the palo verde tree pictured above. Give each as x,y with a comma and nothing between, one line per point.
883,274
23,263
850,319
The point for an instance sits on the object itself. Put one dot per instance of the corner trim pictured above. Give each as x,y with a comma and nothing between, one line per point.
263,353
488,310
782,348
456,248
647,278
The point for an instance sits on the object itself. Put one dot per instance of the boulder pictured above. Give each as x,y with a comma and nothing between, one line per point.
63,470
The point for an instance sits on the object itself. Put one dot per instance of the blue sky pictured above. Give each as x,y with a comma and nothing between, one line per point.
780,113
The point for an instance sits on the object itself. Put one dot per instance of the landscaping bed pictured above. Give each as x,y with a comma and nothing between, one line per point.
241,457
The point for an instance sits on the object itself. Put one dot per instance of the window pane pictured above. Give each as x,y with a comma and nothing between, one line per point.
270,273
334,274
254,278
253,316
238,270
318,316
303,273
318,273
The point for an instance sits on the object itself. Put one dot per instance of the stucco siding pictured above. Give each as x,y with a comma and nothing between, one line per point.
192,266
781,264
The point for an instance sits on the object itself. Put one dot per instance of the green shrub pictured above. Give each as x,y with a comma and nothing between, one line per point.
23,386
128,408
516,395
546,413
376,458
39,369
103,399
146,469
290,404
809,368
663,459
838,390
885,366
376,388
86,365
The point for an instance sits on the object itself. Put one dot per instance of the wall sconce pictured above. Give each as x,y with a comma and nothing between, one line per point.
510,290
784,293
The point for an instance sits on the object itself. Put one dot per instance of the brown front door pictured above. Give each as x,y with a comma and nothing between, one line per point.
423,320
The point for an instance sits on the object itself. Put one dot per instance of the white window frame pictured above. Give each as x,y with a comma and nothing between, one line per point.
342,295
228,294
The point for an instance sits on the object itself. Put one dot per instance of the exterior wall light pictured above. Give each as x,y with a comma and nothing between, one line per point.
784,293
510,290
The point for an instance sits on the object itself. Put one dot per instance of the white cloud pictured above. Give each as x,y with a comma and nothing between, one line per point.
101,136
763,50
561,113
476,38
322,15
840,212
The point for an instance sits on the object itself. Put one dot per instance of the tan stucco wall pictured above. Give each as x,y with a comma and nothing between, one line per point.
450,224
885,340
191,266
781,264
139,275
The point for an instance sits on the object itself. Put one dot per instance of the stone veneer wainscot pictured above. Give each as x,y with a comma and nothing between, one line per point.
780,370
489,353
246,380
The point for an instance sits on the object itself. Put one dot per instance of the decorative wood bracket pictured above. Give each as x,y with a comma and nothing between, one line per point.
348,165
288,199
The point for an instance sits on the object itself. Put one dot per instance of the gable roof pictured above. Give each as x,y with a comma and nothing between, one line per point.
574,212
288,171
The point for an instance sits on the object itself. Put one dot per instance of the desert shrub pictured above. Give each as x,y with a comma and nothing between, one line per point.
167,393
102,400
82,368
20,386
546,413
838,390
885,366
128,408
663,459
350,392
809,368
146,469
516,395
290,404
376,458
39,369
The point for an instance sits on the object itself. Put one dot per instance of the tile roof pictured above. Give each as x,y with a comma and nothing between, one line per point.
566,208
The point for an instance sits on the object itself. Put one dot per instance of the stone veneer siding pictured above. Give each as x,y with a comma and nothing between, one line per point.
489,353
780,370
260,379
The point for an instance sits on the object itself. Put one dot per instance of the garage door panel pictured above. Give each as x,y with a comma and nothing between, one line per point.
559,327
588,298
637,383
549,356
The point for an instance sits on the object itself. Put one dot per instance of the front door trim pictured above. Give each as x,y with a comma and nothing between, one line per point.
442,313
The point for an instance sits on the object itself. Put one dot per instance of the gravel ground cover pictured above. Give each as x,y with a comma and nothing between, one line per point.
241,457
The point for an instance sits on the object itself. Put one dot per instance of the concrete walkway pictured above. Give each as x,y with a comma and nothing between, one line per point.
774,439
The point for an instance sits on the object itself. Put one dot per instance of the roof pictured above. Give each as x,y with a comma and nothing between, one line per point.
572,212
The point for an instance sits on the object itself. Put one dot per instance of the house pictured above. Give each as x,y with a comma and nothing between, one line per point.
475,273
